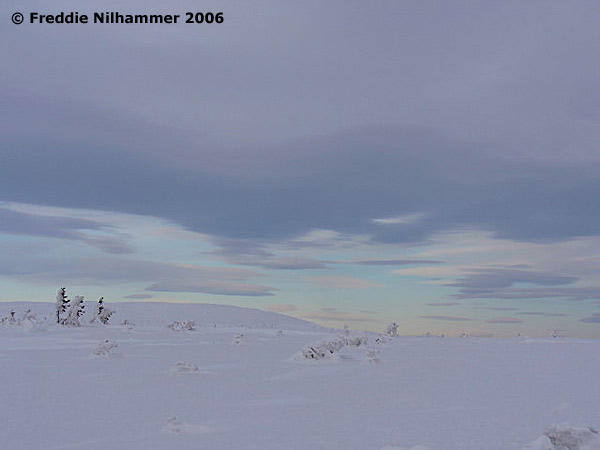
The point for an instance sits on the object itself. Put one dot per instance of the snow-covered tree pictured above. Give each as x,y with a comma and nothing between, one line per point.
101,314
74,312
62,302
10,319
392,329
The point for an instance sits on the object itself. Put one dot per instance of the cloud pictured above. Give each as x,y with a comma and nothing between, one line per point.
503,278
334,314
504,320
253,253
342,282
571,293
164,277
212,287
594,318
313,156
393,262
283,263
498,283
110,244
448,318
540,313
499,308
282,308
312,185
61,227
401,220
442,304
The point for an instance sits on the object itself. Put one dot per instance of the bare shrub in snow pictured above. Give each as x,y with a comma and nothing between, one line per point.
372,355
105,348
101,313
128,324
392,329
183,367
189,325
173,425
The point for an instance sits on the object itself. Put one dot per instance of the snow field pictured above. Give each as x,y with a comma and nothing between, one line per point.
190,389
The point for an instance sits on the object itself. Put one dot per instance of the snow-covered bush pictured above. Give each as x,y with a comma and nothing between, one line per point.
105,348
9,320
570,438
381,339
74,311
29,321
392,329
566,438
101,313
189,325
327,348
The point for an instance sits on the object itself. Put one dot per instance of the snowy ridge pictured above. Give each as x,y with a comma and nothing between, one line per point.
157,314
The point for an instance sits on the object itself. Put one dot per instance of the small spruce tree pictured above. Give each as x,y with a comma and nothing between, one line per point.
102,314
62,302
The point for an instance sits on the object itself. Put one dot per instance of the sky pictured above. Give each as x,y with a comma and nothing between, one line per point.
430,163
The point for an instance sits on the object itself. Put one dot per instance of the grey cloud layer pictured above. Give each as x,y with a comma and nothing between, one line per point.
16,222
250,138
504,283
339,183
163,277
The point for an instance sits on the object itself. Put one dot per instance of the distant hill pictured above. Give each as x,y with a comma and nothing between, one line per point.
161,314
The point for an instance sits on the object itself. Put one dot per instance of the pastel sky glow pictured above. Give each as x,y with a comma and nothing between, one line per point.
430,163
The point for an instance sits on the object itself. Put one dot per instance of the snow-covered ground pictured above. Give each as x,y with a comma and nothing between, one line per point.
238,382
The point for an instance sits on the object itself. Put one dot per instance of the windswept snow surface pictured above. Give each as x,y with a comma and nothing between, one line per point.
236,382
